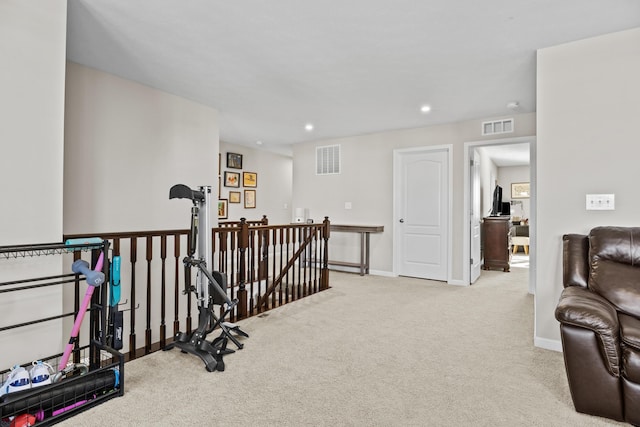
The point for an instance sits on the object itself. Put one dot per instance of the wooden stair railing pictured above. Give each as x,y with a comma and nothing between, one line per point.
266,266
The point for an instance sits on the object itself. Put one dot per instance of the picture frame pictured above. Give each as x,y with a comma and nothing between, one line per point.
231,179
223,208
249,199
234,161
234,196
520,190
250,179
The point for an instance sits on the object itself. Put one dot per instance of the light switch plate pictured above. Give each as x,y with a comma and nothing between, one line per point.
601,202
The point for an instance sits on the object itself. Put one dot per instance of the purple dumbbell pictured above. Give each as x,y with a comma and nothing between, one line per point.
94,278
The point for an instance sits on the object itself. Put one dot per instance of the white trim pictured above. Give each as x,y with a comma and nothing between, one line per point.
466,247
382,273
397,153
548,344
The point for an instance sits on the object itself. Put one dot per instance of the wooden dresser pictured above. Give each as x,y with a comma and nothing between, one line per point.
496,242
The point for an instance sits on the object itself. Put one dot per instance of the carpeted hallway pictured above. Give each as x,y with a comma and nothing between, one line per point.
371,351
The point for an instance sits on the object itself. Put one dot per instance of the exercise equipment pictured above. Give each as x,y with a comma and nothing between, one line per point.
116,318
94,278
210,288
84,241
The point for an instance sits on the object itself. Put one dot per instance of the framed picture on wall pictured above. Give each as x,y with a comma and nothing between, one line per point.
234,161
520,190
234,197
231,179
249,199
223,211
249,179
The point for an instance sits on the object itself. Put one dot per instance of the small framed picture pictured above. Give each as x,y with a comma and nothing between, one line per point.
223,212
234,161
231,179
249,179
520,190
234,197
249,199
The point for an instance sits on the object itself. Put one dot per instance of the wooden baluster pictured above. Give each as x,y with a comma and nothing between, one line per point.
147,335
243,239
324,273
176,291
288,239
274,239
263,250
132,298
250,258
296,278
315,260
163,297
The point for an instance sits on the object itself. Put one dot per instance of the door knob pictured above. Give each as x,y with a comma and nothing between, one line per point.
401,221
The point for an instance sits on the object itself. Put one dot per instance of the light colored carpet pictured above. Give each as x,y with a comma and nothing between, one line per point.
371,351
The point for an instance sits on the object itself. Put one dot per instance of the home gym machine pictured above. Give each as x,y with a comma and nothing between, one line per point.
210,289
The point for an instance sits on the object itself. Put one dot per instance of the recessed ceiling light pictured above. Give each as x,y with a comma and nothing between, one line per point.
308,127
259,142
425,109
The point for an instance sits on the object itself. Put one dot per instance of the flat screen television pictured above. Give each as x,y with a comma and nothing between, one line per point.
496,205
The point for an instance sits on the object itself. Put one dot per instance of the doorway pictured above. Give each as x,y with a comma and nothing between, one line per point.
475,193
422,206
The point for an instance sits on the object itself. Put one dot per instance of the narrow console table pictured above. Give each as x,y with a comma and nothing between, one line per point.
365,231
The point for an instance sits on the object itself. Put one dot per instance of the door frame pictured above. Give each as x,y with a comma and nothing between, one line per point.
466,252
398,155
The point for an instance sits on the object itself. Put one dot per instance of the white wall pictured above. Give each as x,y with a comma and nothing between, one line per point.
32,46
273,194
508,175
125,146
488,177
588,111
367,182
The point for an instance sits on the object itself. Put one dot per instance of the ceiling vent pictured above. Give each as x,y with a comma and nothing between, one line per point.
498,126
328,160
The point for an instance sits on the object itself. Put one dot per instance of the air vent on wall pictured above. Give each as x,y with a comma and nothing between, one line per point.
498,126
328,160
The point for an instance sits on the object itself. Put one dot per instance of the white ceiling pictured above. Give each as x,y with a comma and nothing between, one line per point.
348,66
503,155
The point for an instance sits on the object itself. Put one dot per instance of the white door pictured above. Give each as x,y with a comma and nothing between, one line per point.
475,217
423,214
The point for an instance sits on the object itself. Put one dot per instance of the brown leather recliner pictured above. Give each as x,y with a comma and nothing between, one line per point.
599,315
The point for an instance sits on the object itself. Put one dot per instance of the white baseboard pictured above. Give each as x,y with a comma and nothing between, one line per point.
548,344
382,273
457,282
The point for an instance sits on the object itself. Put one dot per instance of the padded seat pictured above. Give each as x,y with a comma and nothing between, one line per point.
520,237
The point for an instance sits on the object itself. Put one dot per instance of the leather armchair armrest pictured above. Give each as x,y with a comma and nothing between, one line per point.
582,308
575,260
